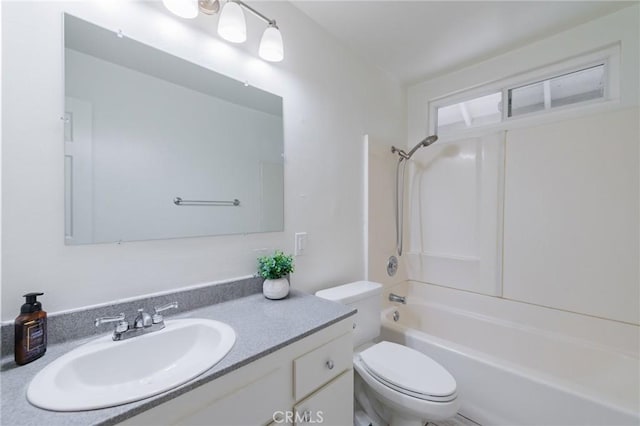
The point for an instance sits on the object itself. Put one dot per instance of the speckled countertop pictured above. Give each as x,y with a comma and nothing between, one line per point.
262,326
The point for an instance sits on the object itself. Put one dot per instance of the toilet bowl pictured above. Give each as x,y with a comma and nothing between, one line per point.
413,387
394,384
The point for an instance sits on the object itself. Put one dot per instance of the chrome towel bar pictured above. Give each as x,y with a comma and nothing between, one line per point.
180,202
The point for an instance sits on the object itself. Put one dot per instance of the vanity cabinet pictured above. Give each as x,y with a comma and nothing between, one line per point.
321,365
307,382
338,395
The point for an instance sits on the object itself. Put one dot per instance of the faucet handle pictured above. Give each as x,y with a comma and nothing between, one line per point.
121,326
157,318
106,320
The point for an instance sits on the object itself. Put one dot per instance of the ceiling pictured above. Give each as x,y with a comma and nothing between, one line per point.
418,40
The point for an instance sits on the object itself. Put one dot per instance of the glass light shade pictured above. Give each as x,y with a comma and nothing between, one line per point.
183,8
232,26
271,47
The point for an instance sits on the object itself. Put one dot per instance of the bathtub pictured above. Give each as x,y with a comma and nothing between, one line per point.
512,374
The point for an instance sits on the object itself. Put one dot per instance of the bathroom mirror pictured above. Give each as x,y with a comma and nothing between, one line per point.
157,147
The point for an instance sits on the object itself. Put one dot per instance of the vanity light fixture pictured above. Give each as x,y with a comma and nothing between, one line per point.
232,25
271,47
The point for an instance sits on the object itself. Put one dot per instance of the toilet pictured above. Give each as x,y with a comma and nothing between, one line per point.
394,384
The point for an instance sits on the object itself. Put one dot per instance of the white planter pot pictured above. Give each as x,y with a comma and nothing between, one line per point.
275,289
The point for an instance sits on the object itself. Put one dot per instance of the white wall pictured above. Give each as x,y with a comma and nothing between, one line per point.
572,192
331,99
572,215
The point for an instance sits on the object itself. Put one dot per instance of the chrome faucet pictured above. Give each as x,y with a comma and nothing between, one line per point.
143,323
143,320
395,298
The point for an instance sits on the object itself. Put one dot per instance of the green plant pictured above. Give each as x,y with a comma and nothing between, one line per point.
276,266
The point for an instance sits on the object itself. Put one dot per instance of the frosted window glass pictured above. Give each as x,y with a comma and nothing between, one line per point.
566,89
579,86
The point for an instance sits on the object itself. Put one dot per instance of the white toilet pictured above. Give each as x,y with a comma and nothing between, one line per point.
394,384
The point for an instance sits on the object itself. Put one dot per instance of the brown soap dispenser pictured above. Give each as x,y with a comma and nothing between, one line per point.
30,331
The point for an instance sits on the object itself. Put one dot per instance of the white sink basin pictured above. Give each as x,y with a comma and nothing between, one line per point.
104,373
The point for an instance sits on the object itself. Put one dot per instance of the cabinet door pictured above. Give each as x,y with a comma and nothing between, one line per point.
332,405
254,404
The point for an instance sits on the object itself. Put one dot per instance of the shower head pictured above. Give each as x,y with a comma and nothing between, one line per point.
406,155
429,140
425,142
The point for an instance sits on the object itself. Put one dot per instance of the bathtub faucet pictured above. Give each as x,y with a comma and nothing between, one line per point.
395,298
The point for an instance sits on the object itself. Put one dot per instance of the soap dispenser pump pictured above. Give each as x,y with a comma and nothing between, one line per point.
30,331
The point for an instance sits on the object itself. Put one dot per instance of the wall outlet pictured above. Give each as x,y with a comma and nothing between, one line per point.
300,243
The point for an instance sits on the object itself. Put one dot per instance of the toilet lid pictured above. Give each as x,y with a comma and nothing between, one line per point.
409,371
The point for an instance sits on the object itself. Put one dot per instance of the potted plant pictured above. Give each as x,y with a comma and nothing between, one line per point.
275,270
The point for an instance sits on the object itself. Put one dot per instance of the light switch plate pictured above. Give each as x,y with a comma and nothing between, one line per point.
300,243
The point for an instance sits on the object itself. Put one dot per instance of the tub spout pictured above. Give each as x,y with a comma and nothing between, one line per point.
395,298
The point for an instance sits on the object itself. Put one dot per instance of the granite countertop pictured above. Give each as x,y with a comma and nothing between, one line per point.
262,326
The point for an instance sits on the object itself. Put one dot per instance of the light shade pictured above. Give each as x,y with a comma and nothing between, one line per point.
183,8
271,46
232,26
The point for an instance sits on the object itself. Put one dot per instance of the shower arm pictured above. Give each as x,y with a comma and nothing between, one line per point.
400,152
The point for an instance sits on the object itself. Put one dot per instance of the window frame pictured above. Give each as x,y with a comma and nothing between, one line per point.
608,56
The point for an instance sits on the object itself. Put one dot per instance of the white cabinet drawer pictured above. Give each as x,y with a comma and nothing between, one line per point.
314,369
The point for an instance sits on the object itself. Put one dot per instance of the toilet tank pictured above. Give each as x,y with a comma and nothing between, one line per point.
366,297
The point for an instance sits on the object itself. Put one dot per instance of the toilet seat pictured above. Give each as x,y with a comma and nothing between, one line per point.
409,372
408,392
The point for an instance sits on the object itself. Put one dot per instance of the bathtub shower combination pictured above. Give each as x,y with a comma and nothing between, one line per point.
510,373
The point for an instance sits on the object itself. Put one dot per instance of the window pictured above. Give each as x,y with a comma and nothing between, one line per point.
590,78
571,88
471,113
